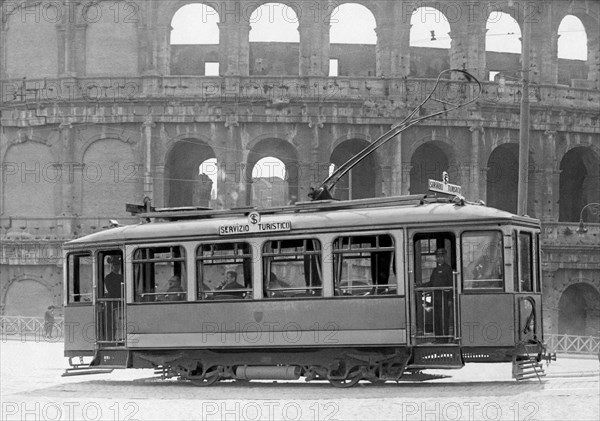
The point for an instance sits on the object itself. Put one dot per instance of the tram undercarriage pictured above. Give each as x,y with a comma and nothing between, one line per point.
342,367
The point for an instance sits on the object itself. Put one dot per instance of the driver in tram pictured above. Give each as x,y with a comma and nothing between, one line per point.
442,299
114,280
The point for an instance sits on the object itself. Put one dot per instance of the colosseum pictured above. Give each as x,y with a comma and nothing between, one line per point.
232,103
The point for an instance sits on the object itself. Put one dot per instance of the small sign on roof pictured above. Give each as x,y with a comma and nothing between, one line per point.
444,186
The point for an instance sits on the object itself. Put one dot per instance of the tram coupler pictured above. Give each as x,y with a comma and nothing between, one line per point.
548,356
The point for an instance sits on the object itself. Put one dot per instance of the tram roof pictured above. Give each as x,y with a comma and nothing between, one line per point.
355,215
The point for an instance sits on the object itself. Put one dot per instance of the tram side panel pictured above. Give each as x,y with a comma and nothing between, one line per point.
323,322
79,330
487,323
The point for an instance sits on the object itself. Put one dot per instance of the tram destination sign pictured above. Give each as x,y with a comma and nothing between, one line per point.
254,225
444,186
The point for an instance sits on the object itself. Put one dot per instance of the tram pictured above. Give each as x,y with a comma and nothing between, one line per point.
342,291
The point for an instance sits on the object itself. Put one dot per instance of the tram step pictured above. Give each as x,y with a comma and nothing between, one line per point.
83,371
528,369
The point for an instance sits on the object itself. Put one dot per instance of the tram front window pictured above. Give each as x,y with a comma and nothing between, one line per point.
482,261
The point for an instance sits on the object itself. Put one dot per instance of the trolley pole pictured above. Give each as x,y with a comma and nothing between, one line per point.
524,123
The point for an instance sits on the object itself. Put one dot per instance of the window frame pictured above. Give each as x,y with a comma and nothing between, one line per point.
71,285
282,292
201,295
483,290
137,298
335,252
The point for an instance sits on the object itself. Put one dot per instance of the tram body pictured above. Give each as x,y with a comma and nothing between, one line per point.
338,291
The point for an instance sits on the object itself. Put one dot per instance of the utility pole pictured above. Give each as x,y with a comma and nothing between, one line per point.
524,122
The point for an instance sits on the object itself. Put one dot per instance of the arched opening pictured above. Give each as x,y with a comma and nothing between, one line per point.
273,169
195,41
28,172
429,41
274,40
579,310
206,187
354,24
579,184
572,39
360,182
185,184
110,178
269,185
572,51
428,161
503,47
27,298
502,177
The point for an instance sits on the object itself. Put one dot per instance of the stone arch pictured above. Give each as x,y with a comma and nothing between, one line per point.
110,177
372,7
579,310
502,176
28,295
361,181
579,182
286,153
109,134
194,57
590,23
428,159
274,55
184,185
30,170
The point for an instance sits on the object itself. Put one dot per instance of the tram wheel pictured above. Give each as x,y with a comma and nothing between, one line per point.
354,376
207,379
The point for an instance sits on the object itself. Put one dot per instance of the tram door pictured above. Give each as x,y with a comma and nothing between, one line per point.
110,302
434,287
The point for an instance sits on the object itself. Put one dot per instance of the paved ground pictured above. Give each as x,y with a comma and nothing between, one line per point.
33,389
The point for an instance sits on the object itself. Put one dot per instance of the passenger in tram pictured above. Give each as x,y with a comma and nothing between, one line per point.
442,299
174,291
114,280
230,281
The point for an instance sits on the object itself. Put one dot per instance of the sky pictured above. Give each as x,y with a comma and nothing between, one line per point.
355,24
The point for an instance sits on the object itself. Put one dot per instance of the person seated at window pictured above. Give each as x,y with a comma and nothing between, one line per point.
231,286
230,281
174,290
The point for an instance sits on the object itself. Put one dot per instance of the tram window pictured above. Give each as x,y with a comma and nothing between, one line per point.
79,275
525,262
425,246
159,274
224,271
364,265
292,268
482,261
